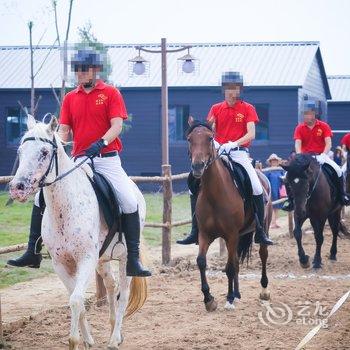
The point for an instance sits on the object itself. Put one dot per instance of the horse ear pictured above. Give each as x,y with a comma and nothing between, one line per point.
190,120
53,125
31,122
285,166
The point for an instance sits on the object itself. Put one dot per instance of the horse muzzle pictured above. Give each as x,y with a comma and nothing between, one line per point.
20,189
198,169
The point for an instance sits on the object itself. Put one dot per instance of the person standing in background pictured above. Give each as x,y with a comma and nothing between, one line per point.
275,175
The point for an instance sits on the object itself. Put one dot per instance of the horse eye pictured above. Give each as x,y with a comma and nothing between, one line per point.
44,152
211,138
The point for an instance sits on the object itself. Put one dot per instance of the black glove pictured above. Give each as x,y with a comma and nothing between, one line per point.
95,149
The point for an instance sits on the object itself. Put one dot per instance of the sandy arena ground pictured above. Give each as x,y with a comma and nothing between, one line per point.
174,316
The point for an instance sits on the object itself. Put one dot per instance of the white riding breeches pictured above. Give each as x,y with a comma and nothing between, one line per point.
112,169
325,159
242,158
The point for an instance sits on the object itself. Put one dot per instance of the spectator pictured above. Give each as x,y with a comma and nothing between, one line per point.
277,186
339,156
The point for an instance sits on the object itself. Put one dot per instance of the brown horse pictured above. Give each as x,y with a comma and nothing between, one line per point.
220,212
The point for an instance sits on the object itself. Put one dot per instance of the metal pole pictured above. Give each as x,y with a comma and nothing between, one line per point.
165,133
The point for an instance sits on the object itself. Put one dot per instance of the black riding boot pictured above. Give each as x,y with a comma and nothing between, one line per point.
131,226
260,235
193,236
343,196
288,205
32,257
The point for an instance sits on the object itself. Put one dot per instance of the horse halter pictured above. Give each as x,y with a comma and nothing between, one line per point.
212,158
53,162
53,159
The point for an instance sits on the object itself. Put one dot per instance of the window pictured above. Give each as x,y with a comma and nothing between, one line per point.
178,116
262,128
16,125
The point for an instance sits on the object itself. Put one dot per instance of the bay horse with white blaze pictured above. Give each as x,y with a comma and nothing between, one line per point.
315,200
73,230
221,212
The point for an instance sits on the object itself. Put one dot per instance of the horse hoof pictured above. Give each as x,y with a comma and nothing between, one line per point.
317,267
229,306
305,263
211,305
265,295
333,258
73,344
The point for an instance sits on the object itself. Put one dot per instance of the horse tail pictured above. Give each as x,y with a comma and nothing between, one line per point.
138,295
138,289
245,244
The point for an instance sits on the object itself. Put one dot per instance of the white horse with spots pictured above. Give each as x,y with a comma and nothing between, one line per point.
73,230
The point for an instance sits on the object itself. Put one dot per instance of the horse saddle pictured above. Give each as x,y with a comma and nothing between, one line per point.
109,205
331,177
240,179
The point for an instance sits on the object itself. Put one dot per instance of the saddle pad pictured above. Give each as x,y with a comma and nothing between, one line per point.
109,205
240,179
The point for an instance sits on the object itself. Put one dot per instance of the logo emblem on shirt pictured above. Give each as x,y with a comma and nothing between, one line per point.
100,99
239,118
319,132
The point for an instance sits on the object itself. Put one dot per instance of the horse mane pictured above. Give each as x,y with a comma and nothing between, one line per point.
298,164
40,131
196,124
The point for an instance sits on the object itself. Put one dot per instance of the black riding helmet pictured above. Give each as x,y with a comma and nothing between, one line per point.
85,59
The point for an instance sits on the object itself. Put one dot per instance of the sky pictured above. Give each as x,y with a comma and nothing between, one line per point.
188,21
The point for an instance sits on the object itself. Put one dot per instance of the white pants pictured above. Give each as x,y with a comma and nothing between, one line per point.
325,159
242,158
112,169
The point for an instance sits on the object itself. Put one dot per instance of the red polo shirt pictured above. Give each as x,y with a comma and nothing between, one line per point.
89,115
231,121
346,141
313,140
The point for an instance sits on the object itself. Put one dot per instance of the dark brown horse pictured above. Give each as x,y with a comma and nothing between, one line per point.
315,200
220,212
348,172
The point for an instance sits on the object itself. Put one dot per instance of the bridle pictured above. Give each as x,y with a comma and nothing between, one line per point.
308,196
53,162
212,158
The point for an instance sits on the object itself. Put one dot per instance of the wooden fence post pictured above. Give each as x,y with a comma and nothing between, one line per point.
290,224
167,213
100,291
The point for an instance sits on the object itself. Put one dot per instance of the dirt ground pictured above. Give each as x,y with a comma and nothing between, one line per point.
174,316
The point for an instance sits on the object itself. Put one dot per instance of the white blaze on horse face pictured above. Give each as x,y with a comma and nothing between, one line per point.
296,180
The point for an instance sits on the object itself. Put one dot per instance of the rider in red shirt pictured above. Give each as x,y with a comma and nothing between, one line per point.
345,142
234,121
94,114
314,136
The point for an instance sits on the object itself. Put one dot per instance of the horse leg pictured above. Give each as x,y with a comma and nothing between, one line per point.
232,270
318,226
303,258
124,290
105,271
70,283
334,223
85,269
209,301
264,253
